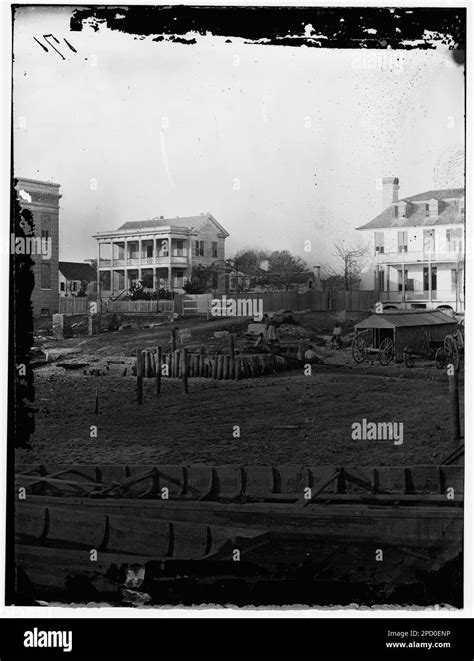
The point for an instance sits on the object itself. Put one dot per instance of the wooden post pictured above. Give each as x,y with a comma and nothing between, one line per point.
225,366
177,364
158,371
454,404
238,369
148,367
214,367
173,340
220,361
184,361
139,376
232,357
96,409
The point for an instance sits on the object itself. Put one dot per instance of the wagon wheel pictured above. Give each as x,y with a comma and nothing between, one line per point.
451,350
359,348
441,358
408,357
386,351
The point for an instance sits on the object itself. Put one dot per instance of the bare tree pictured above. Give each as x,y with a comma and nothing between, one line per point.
350,256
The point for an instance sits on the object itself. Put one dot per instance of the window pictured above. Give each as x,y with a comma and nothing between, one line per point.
45,226
402,241
179,248
427,209
409,282
454,279
380,280
44,312
454,239
214,248
149,250
73,285
199,248
395,208
428,241
45,275
62,286
379,242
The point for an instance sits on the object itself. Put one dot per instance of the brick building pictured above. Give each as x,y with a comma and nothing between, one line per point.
42,199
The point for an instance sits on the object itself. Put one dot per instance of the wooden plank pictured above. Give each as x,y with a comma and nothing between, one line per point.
30,521
49,568
292,479
423,479
228,481
259,480
76,526
322,475
190,541
200,481
109,474
452,477
146,485
389,479
172,478
129,534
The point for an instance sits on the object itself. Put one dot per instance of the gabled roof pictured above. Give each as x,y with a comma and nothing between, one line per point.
77,271
415,212
403,319
193,223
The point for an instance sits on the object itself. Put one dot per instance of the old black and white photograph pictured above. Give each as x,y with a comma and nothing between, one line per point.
237,295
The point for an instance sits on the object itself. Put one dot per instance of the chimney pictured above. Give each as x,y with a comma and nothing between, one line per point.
390,190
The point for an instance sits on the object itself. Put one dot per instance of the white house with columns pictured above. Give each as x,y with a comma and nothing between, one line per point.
417,249
161,251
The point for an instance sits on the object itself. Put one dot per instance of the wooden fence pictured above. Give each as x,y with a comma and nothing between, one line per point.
198,304
76,305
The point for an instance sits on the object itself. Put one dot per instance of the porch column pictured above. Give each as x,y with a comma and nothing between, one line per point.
170,283
430,293
98,273
154,278
403,285
139,251
126,252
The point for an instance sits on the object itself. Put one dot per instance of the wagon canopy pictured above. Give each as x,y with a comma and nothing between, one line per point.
405,319
417,330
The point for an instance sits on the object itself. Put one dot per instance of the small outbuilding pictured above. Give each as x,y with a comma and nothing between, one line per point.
419,330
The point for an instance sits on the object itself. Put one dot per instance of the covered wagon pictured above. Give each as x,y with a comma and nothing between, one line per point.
396,335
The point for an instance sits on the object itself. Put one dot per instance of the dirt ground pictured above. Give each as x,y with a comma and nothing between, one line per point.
283,418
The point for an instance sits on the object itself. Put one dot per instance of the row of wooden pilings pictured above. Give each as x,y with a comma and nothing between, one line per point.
181,364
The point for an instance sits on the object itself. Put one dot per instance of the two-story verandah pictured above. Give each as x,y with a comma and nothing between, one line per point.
126,257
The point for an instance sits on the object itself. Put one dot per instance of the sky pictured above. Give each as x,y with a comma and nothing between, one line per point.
282,145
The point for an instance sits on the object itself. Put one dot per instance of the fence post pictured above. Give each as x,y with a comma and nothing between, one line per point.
139,377
232,357
184,360
158,371
454,404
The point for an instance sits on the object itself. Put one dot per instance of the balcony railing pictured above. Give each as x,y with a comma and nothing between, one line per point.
421,295
177,257
414,256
